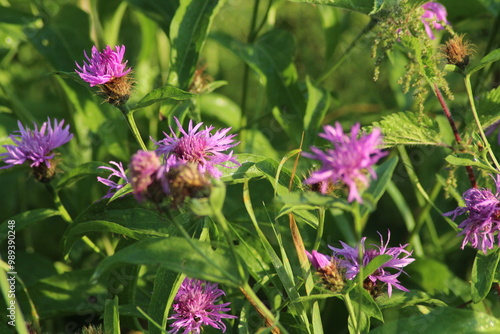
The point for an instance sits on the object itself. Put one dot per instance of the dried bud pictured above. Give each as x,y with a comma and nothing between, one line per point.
117,91
457,51
92,330
185,180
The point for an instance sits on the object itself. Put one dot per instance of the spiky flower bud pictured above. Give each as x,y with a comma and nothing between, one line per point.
457,51
185,180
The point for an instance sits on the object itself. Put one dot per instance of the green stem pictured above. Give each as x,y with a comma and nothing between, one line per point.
367,28
129,117
320,229
350,310
259,305
478,122
358,224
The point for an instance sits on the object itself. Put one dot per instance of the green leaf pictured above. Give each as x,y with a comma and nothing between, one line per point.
378,186
221,108
271,57
163,93
443,320
483,273
318,102
111,316
409,128
248,169
162,12
66,294
25,219
404,299
188,32
464,160
14,16
80,172
270,169
362,298
165,287
362,6
311,200
202,262
491,57
487,109
374,264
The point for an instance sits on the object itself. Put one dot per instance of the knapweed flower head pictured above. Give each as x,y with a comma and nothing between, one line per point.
483,222
148,176
195,305
119,173
35,147
185,180
327,268
199,147
434,17
107,70
348,259
350,161
457,51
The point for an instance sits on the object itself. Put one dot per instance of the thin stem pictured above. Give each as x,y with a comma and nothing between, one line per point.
366,29
350,310
321,228
260,307
252,35
478,122
129,117
453,126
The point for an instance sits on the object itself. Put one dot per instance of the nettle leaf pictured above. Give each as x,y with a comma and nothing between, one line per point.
409,128
188,33
163,93
362,6
483,274
491,57
195,258
443,320
487,109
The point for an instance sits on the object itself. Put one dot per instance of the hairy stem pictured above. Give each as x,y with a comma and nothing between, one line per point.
458,139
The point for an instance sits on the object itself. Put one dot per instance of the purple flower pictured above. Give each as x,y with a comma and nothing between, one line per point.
103,66
348,259
318,260
350,161
148,176
433,17
483,221
114,186
36,146
194,306
198,147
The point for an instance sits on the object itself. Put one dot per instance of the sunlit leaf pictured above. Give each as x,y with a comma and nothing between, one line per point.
483,274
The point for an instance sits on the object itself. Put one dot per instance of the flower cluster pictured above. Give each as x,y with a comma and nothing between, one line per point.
35,147
187,161
195,305
350,161
483,221
199,147
434,17
346,261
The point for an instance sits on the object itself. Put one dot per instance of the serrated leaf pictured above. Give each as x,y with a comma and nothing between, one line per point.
487,108
178,255
409,128
163,93
491,57
483,274
443,320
